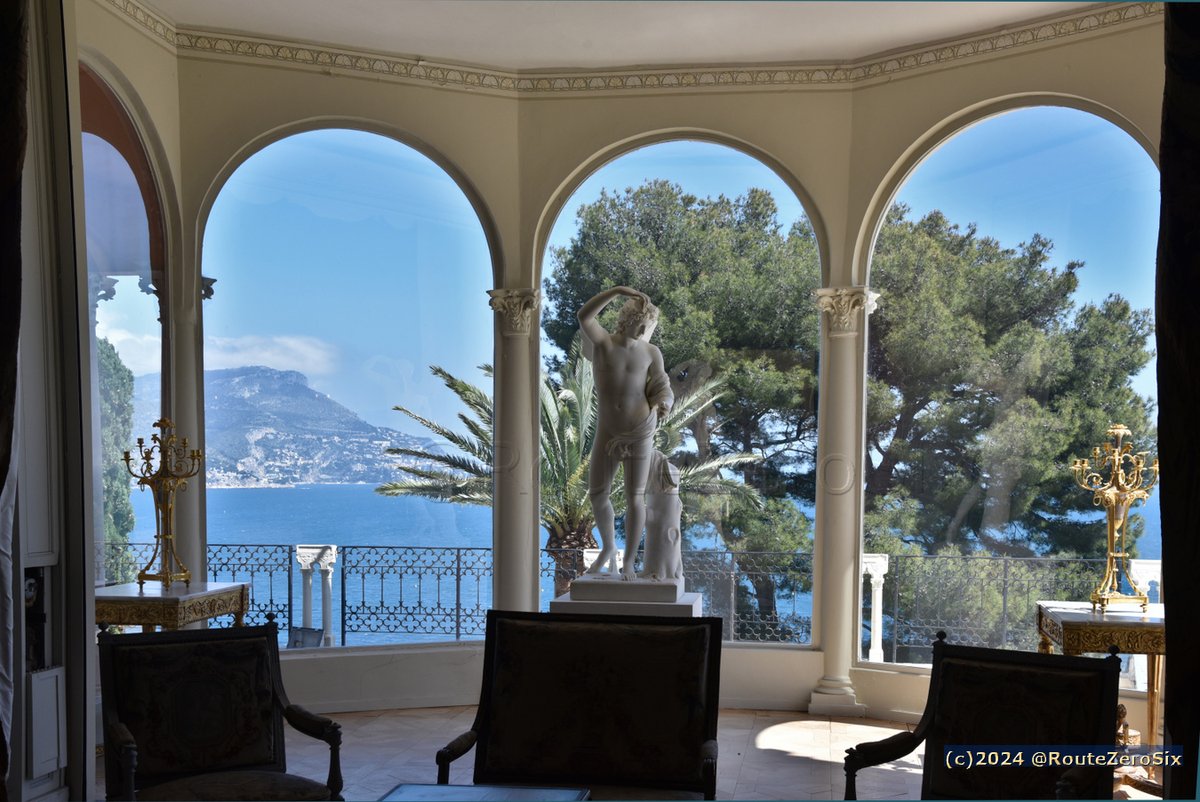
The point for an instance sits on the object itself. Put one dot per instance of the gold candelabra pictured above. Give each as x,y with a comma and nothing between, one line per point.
1125,485
176,464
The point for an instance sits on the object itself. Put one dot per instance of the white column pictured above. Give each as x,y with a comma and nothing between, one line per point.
322,557
515,470
840,449
306,605
876,565
327,597
183,397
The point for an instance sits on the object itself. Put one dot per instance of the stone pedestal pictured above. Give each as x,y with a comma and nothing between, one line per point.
689,605
611,587
610,594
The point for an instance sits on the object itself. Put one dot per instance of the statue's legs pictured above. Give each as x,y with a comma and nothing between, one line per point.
637,472
600,477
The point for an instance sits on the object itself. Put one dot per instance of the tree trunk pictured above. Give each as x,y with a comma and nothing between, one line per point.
566,550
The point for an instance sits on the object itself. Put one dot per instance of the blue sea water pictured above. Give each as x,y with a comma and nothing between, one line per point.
330,514
356,515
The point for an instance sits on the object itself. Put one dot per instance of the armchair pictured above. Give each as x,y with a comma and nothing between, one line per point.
997,696
198,714
596,700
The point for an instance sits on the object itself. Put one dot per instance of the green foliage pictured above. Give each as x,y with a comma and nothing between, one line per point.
735,294
116,433
978,600
985,379
567,408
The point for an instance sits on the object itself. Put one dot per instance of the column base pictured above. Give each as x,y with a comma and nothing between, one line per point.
836,704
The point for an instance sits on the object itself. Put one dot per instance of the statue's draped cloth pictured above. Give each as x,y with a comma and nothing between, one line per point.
635,442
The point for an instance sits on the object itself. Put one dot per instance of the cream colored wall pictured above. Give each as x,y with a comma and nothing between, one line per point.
144,73
844,147
804,136
897,123
397,677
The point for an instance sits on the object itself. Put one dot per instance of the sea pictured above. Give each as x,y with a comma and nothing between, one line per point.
346,514
354,514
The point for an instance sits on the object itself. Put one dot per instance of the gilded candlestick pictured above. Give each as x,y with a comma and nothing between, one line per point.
1129,480
164,466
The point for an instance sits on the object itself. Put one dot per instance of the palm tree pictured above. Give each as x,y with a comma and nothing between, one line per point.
567,411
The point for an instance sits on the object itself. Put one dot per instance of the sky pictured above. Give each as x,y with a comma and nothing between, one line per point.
384,265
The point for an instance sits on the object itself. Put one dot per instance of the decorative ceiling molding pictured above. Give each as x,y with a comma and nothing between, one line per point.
327,59
142,17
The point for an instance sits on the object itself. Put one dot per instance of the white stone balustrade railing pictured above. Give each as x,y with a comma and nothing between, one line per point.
323,558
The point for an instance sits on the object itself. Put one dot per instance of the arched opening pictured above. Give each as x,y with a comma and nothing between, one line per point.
723,246
345,275
1016,273
127,313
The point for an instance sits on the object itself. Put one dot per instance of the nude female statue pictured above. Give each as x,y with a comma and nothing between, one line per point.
632,391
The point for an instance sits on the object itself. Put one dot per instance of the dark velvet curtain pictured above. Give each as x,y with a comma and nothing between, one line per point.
1177,293
13,44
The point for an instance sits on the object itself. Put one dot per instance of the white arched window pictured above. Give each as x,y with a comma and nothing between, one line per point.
347,275
1016,275
722,245
126,262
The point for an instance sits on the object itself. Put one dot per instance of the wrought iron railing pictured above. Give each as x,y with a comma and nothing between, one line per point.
978,601
441,592
269,572
388,594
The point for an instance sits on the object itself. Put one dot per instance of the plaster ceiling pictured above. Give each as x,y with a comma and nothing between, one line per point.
522,35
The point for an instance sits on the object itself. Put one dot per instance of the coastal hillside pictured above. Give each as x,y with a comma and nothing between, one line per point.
267,427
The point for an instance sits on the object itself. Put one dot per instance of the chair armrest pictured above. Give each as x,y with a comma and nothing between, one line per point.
319,727
708,768
323,729
119,740
873,753
453,751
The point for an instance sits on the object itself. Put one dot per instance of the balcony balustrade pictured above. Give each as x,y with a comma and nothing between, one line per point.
400,594
394,594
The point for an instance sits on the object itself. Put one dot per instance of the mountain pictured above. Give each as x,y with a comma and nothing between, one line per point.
268,427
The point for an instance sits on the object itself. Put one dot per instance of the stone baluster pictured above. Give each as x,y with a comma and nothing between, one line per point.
322,557
876,566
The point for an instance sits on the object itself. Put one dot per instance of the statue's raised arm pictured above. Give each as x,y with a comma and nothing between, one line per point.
589,325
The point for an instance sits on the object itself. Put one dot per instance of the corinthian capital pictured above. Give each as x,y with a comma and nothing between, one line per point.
322,557
843,304
518,307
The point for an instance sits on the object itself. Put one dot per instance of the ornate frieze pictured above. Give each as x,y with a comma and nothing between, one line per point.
320,57
517,308
843,305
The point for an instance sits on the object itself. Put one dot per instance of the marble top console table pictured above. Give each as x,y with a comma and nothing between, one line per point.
151,606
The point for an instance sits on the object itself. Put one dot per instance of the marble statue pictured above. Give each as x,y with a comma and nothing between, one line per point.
663,557
632,391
